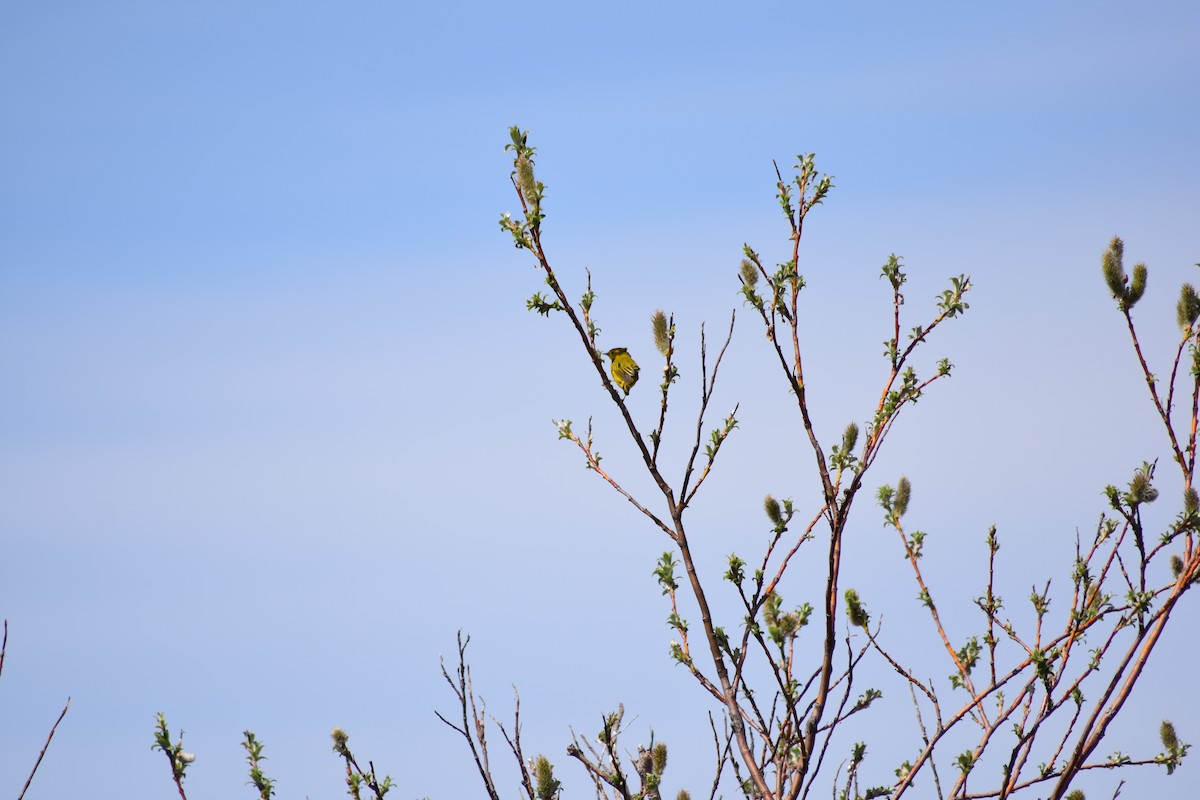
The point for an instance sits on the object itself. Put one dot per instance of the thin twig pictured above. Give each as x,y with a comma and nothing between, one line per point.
514,743
46,746
466,698
722,753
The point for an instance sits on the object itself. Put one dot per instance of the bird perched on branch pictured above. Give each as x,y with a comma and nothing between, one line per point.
624,368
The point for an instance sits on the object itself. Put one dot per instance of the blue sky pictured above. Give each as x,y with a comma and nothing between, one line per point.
275,423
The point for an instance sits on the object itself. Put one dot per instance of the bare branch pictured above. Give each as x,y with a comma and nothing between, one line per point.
46,746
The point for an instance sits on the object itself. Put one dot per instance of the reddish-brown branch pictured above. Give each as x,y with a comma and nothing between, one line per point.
727,687
937,620
1162,413
594,465
597,362
1191,465
1105,711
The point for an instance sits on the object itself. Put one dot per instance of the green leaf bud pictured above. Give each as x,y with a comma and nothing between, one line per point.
1114,270
1137,287
885,495
1166,732
1187,311
893,270
903,494
543,772
849,437
774,513
664,572
1140,488
525,179
1114,496
660,757
1076,794
1175,749
855,610
748,273
803,615
737,570
519,138
662,338
771,609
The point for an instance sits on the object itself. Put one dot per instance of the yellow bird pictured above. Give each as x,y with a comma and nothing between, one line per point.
624,368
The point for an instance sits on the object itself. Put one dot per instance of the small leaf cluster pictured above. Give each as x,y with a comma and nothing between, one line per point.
866,699
1040,601
909,391
718,436
784,626
254,755
893,270
808,179
1043,664
894,502
1094,600
356,777
174,751
968,657
783,282
736,573
1140,491
541,305
779,514
532,192
722,639
951,301
857,753
664,573
842,457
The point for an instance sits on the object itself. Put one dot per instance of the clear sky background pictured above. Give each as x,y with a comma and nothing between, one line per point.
275,424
